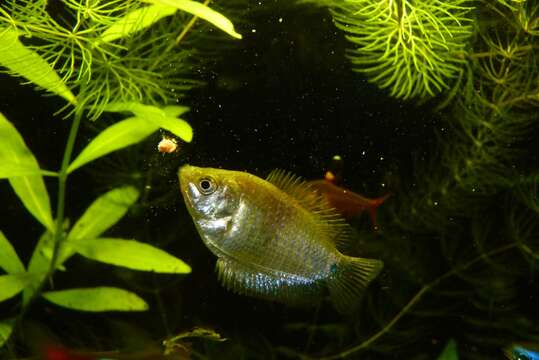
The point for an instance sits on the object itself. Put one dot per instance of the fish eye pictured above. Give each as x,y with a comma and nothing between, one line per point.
207,185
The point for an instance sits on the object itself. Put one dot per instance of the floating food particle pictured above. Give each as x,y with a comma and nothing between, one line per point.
167,145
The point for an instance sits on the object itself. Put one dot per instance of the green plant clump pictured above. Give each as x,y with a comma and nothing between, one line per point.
110,55
467,230
413,48
103,52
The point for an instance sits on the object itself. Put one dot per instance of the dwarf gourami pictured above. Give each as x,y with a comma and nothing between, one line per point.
276,238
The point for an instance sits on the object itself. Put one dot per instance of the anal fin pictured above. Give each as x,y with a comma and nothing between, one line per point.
279,286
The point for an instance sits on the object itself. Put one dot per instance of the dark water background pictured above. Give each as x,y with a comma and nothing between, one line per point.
284,97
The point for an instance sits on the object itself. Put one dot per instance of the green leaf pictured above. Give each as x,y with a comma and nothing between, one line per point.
104,212
136,20
9,260
178,127
157,116
139,109
6,328
24,62
450,351
39,265
117,136
10,169
175,110
30,189
97,299
131,254
203,12
11,285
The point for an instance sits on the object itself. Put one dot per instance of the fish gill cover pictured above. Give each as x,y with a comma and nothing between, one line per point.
432,101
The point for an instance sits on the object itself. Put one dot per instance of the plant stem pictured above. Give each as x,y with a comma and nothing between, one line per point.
62,182
60,207
180,37
189,26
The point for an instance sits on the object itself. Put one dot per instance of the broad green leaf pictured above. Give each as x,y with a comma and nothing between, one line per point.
39,265
139,109
203,12
117,136
157,116
6,328
450,351
104,212
11,285
30,189
97,299
9,260
136,20
22,61
10,169
131,254
175,110
178,127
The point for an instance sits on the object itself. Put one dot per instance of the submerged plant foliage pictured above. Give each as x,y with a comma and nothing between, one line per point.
460,239
416,49
460,242
100,51
115,56
474,207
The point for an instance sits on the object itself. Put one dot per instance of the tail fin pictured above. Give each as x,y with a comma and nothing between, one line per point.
349,281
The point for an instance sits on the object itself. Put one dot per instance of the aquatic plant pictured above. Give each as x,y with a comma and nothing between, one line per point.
460,240
102,51
416,49
475,203
109,59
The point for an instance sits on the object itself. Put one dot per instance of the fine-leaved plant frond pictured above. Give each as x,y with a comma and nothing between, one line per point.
111,50
413,48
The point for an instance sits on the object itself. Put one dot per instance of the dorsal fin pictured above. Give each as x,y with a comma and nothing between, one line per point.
296,187
328,218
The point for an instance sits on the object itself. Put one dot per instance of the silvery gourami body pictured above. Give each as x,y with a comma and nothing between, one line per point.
275,238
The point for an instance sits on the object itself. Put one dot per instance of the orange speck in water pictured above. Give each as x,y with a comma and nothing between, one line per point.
329,176
167,145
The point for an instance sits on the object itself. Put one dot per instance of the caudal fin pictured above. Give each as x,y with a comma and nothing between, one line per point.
349,281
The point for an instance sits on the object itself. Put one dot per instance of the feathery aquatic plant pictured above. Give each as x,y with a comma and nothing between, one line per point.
100,51
413,48
467,230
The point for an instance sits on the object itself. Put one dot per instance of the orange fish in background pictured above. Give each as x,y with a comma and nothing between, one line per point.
348,203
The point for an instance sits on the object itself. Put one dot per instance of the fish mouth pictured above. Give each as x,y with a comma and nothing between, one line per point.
187,198
186,174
